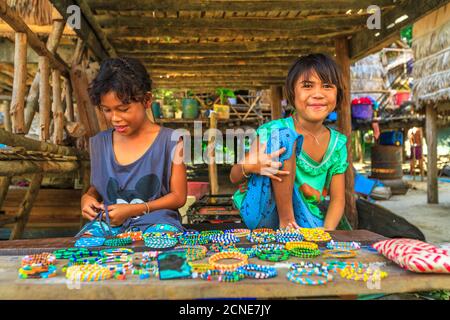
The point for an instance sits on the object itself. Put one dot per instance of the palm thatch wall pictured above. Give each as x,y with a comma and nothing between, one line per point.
38,12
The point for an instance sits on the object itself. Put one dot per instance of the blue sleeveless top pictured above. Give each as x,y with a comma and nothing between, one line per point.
146,179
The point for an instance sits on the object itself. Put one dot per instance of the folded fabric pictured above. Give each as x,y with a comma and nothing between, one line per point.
258,208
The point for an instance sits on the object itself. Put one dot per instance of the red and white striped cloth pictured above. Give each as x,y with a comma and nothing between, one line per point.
415,255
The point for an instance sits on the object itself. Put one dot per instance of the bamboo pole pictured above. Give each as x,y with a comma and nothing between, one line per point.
58,114
345,126
69,112
44,99
7,115
212,166
431,134
25,207
276,96
4,187
32,104
11,168
19,86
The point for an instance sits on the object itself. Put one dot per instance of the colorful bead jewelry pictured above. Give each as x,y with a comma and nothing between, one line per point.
134,235
117,264
194,252
268,247
88,272
115,252
218,247
117,242
261,237
160,242
315,234
150,255
90,242
42,259
302,244
334,245
209,233
77,261
304,277
257,271
273,255
193,239
339,253
224,238
74,253
304,253
240,233
35,272
213,260
364,274
288,235
310,265
200,267
263,230
223,276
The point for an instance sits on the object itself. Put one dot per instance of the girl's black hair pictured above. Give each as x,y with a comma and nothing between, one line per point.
127,77
325,67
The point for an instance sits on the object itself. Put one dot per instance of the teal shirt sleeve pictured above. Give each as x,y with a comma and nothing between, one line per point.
340,166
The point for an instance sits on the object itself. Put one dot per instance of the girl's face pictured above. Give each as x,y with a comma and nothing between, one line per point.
125,118
314,100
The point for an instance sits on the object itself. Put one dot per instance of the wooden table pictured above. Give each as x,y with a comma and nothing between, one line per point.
11,287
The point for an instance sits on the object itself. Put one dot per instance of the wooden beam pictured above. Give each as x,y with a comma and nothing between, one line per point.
11,168
345,127
368,41
69,112
37,29
16,22
212,166
7,116
234,6
276,95
4,187
431,134
218,70
19,87
86,32
221,62
44,99
58,114
25,207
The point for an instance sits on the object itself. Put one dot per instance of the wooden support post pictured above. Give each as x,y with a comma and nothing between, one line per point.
69,112
25,207
58,114
4,187
431,134
276,94
7,115
19,86
44,99
32,104
345,126
212,166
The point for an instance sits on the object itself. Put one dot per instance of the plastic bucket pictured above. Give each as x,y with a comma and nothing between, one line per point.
391,138
190,108
362,111
156,108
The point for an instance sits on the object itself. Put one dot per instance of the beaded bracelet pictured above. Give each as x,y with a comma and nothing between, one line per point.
193,239
218,247
150,255
117,264
301,244
333,245
88,272
200,267
310,265
213,260
268,246
224,238
273,255
261,237
263,230
74,252
223,276
194,252
303,277
208,233
363,274
115,252
134,235
77,261
341,253
35,272
240,233
315,234
118,242
160,242
249,252
304,253
288,237
43,259
257,271
90,242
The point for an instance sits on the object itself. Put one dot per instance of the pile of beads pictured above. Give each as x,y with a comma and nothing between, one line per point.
288,235
90,242
303,276
88,272
257,271
160,242
224,238
215,258
337,266
148,256
365,274
273,255
74,253
302,244
240,233
315,234
261,237
37,271
194,252
334,245
218,247
134,235
304,253
146,273
223,276
118,242
41,259
339,253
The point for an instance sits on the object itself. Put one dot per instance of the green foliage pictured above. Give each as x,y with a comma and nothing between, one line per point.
225,93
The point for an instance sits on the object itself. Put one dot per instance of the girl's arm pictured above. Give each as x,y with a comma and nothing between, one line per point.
337,202
90,203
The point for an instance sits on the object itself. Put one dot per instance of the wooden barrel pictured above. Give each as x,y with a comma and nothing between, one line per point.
386,162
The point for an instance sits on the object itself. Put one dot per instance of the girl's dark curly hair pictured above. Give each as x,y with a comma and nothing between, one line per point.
127,77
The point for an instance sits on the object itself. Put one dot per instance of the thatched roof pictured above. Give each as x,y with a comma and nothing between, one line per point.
37,12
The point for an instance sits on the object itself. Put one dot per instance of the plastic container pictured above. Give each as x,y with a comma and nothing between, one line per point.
198,189
332,116
167,111
362,111
222,110
156,108
391,138
190,108
401,96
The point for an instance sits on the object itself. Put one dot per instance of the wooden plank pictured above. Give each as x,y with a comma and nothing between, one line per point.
432,170
345,127
26,205
276,95
69,112
7,116
44,99
58,114
367,41
18,167
4,187
19,87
